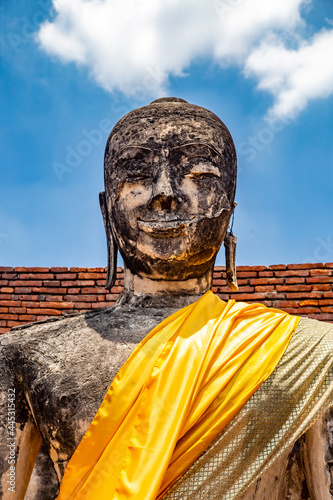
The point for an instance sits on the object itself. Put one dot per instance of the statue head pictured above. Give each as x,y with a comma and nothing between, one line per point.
170,178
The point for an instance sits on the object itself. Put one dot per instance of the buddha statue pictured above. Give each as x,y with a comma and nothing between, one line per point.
170,178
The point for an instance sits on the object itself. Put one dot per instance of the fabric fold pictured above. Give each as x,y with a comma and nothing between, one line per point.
178,390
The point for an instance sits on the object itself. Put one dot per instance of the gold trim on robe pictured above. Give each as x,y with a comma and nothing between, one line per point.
297,393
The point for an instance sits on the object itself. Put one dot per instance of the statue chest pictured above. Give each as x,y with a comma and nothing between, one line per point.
66,376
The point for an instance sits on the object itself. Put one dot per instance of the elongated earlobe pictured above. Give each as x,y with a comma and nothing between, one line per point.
111,244
230,260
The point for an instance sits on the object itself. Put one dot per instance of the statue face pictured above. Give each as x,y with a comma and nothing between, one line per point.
167,195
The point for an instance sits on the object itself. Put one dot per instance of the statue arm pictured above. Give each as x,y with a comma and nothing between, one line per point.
20,439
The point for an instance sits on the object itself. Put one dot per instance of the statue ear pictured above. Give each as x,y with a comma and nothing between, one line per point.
112,246
230,257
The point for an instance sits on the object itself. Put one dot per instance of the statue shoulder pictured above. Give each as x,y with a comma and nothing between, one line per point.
84,340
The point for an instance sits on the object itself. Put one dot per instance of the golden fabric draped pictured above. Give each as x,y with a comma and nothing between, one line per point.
180,387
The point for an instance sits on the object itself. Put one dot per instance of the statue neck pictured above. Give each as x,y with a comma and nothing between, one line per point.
138,285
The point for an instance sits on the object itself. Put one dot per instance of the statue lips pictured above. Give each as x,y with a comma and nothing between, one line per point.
164,228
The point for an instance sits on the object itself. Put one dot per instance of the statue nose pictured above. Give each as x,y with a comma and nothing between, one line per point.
163,194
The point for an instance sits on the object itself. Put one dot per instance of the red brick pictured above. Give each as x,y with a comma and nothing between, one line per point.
249,274
221,282
91,276
112,297
32,269
328,294
304,295
54,298
9,303
13,323
118,289
25,283
81,298
327,309
251,268
22,289
31,304
73,291
322,317
4,282
54,290
18,310
216,268
4,330
251,296
285,303
329,264
4,310
292,273
241,282
265,274
27,317
267,288
4,269
83,305
293,288
50,312
309,310
275,296
294,281
78,283
3,322
99,305
217,275
304,266
27,297
78,269
277,266
57,305
66,276
36,276
5,296
51,283
326,302
59,269
226,289
42,318
308,303
9,276
320,272
321,287
94,290
267,303
96,269
223,296
7,289
320,279
266,281
102,282
8,316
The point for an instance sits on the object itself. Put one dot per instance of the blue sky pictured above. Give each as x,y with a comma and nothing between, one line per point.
71,69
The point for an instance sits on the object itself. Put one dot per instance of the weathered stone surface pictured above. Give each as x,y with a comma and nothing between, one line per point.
63,369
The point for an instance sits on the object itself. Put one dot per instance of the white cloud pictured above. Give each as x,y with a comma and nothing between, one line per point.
294,76
138,44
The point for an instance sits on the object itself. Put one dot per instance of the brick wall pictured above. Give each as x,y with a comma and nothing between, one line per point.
35,293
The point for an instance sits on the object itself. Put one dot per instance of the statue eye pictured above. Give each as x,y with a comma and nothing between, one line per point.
201,175
137,177
203,169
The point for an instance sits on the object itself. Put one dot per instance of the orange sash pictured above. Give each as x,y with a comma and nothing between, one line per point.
180,387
